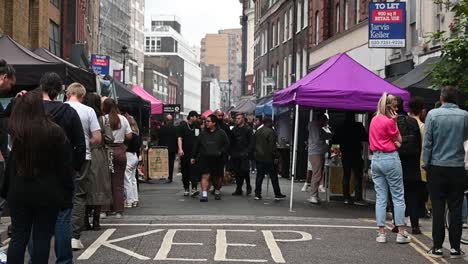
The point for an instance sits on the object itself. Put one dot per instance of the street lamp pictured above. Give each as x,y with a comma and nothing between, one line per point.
124,52
229,93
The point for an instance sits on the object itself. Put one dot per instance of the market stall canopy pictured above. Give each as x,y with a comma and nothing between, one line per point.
207,113
156,105
29,66
340,83
266,109
245,106
74,73
126,97
419,77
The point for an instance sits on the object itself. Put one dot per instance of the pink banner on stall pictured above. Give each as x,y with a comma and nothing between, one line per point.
156,105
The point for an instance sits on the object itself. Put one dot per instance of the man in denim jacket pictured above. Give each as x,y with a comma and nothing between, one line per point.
443,156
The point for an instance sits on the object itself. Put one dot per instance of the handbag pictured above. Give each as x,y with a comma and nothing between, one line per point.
108,139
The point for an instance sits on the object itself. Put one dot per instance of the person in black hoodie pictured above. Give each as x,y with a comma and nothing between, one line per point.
241,149
67,118
168,137
39,181
208,152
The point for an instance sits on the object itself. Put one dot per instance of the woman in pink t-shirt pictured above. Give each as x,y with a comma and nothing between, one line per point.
387,174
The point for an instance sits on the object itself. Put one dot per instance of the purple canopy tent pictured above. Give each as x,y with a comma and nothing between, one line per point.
340,83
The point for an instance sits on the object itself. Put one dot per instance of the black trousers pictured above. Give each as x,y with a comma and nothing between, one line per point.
446,186
189,172
266,168
352,162
171,164
241,168
415,193
23,219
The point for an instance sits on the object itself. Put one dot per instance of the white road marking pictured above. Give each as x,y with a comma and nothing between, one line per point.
222,245
168,241
103,241
273,246
246,225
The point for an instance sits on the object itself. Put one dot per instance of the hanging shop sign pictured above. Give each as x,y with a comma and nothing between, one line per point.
171,108
100,64
387,25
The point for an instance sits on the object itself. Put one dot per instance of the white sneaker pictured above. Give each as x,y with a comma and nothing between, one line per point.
403,238
381,238
102,215
322,189
313,200
306,187
76,244
118,215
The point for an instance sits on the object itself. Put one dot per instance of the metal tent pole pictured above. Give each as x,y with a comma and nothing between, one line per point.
293,170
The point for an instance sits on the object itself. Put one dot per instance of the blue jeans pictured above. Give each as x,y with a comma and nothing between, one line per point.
63,236
387,175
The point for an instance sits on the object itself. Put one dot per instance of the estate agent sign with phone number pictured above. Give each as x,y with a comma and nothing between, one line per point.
387,25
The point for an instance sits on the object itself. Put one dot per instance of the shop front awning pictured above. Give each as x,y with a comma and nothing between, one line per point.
419,77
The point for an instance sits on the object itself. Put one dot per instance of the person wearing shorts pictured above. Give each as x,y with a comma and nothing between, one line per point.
208,152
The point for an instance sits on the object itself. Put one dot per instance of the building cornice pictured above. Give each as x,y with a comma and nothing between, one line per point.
272,10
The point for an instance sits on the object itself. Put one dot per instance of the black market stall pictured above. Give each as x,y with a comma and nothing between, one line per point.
73,73
29,66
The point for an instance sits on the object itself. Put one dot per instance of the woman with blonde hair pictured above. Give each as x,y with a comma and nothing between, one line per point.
387,173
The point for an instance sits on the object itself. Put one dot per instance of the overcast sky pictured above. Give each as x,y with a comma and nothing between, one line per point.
197,17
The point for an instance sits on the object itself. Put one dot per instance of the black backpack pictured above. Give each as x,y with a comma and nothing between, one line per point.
410,145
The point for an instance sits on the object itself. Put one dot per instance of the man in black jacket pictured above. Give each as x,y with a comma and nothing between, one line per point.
208,152
242,146
67,118
168,136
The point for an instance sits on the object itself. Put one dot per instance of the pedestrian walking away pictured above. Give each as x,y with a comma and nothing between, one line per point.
121,131
350,136
242,145
266,155
92,131
133,154
410,155
188,133
387,174
100,190
38,181
208,153
446,129
317,147
168,137
69,120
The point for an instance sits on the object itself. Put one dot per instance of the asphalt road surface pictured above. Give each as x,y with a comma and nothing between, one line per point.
171,228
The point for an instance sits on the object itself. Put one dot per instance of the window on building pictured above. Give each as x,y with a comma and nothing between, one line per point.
285,72
414,35
298,66
266,41
286,27
273,31
56,3
337,19
346,15
306,13
317,27
304,62
147,44
290,69
299,16
277,76
278,35
291,21
54,38
357,11
158,44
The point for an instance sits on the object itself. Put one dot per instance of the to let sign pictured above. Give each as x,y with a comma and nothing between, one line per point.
387,25
100,64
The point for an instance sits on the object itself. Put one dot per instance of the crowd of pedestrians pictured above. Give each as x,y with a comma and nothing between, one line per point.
67,162
208,149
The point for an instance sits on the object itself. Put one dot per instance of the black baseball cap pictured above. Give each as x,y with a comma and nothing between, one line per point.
193,113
